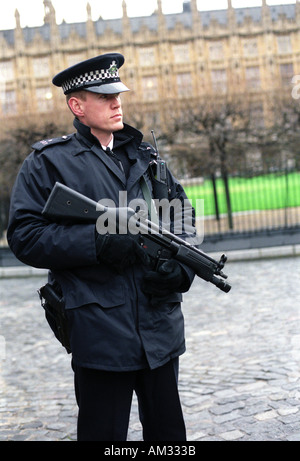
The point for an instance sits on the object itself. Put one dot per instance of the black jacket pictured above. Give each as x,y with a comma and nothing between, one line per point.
112,324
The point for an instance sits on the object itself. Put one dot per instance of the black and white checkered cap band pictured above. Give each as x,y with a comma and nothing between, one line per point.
89,78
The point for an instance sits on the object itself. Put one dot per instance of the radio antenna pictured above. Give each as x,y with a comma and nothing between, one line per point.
155,143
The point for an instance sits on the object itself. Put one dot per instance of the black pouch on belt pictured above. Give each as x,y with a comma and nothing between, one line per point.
53,302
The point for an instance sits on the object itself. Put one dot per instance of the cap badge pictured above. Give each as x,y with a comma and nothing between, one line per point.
113,70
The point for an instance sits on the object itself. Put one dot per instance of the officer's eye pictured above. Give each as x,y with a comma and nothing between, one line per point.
109,96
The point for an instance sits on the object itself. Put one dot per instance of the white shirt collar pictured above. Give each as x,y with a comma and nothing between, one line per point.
110,145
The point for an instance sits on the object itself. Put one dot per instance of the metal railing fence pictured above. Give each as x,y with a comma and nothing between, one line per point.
266,201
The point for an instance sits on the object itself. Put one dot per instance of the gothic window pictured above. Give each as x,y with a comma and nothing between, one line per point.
284,44
44,99
181,53
150,88
252,74
75,58
219,80
250,47
146,57
286,73
41,67
8,102
216,51
184,85
6,71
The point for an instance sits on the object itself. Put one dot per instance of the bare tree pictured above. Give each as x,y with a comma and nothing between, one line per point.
213,131
15,145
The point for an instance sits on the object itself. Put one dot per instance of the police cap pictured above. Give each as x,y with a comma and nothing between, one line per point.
98,75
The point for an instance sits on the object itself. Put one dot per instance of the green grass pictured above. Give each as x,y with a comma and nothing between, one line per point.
264,192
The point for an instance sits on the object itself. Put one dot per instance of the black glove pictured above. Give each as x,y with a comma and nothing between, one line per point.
119,251
169,278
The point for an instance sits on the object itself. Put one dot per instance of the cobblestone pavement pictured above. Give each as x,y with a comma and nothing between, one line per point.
239,379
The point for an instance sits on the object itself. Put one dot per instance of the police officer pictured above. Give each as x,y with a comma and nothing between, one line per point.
121,340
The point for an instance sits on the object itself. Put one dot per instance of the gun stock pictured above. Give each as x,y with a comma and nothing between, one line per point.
66,203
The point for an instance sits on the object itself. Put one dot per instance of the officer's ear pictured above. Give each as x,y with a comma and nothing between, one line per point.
75,106
75,103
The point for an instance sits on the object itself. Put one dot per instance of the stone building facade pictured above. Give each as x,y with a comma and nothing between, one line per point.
168,57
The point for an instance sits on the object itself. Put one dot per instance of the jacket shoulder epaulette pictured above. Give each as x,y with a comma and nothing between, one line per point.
40,145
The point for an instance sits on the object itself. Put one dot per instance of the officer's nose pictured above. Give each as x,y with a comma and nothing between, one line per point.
116,100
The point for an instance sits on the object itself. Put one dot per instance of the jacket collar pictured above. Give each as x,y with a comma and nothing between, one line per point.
129,137
127,134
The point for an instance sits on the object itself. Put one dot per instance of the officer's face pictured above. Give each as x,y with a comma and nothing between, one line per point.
101,112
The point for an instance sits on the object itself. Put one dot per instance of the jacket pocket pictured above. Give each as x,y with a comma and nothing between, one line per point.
90,289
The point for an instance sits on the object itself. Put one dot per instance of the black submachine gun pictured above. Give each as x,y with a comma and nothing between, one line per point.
160,244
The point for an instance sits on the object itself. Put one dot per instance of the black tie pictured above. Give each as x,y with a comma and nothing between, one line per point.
115,158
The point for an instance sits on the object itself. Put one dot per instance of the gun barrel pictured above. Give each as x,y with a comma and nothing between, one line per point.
221,284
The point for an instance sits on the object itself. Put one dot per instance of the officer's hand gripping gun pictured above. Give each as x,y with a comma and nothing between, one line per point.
69,205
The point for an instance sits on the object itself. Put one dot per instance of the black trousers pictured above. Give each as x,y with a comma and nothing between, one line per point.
104,399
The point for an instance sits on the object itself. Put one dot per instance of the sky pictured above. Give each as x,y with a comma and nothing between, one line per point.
32,11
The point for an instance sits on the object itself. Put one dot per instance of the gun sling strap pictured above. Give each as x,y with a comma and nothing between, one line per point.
149,200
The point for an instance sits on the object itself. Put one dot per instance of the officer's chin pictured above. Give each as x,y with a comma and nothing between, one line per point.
119,126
